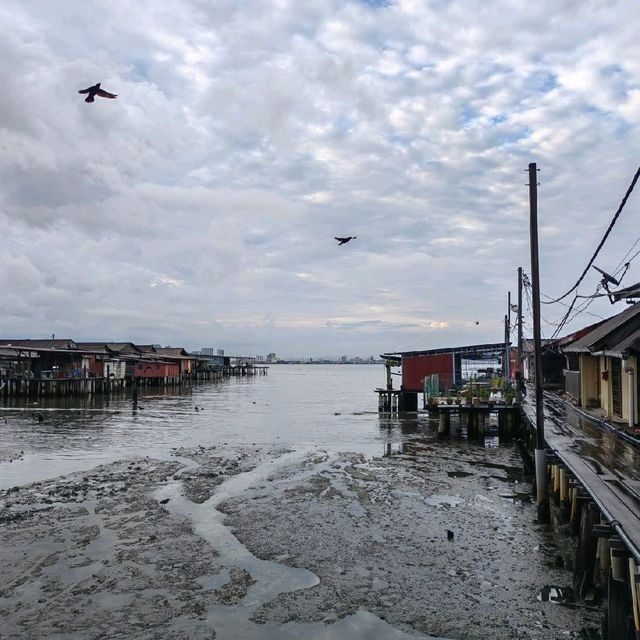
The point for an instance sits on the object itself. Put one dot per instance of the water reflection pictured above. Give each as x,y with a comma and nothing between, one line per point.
596,442
293,406
397,430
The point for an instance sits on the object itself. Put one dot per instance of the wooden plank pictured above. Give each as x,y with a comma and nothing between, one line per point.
607,487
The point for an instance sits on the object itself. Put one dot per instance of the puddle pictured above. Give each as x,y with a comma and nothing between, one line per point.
267,579
517,497
443,500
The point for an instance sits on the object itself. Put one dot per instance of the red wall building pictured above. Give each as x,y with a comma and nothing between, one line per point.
416,368
447,363
153,369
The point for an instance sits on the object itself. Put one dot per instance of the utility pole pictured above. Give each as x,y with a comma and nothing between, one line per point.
520,378
507,340
505,369
542,497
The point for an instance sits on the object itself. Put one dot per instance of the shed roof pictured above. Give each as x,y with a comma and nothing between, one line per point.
473,349
174,351
64,343
123,347
610,334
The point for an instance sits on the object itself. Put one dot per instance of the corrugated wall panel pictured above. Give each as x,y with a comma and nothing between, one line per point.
415,368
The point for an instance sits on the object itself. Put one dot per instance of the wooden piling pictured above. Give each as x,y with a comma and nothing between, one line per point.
635,604
586,549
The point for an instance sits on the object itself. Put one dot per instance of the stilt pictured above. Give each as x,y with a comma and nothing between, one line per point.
586,549
565,506
633,583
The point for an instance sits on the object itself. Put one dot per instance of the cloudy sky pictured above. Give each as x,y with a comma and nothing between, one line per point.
199,208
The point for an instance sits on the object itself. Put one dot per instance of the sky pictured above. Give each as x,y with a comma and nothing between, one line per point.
199,208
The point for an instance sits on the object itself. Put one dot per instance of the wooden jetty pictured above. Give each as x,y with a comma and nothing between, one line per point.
597,490
35,368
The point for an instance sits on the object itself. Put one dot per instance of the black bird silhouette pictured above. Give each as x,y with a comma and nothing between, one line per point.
345,240
477,322
96,91
449,534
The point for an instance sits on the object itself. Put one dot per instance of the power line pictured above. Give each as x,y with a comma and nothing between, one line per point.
578,310
624,260
572,311
604,238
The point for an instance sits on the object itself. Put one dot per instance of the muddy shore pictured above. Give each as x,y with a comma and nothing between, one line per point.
266,542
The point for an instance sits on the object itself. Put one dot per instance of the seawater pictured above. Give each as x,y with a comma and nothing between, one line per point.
297,406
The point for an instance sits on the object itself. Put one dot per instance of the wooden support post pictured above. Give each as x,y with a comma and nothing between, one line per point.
633,582
575,507
617,609
619,560
481,425
586,549
565,506
442,423
604,554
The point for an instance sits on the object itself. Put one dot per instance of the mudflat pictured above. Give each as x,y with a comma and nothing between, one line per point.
437,541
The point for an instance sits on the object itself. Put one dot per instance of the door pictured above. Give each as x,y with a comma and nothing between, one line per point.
616,386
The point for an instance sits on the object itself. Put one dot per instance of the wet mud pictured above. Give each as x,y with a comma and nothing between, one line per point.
266,542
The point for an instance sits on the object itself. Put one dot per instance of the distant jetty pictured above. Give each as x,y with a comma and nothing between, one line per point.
32,368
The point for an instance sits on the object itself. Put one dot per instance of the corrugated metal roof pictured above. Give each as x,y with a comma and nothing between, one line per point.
123,347
610,333
474,348
175,351
630,344
64,343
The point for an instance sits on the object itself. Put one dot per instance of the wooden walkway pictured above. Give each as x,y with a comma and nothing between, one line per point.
606,466
595,474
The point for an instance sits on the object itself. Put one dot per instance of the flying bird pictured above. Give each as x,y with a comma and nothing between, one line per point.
345,240
96,91
477,322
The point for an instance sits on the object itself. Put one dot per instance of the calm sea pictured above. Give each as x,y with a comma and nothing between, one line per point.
298,406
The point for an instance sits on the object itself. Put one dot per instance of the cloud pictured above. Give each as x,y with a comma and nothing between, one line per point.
205,199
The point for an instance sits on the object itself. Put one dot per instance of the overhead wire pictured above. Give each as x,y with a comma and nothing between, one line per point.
582,308
602,241
624,262
572,312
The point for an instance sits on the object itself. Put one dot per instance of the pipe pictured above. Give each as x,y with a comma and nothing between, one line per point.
632,404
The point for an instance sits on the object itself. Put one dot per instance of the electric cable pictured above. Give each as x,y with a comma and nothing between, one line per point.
604,238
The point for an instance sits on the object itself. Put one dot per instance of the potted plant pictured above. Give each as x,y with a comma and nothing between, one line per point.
509,395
